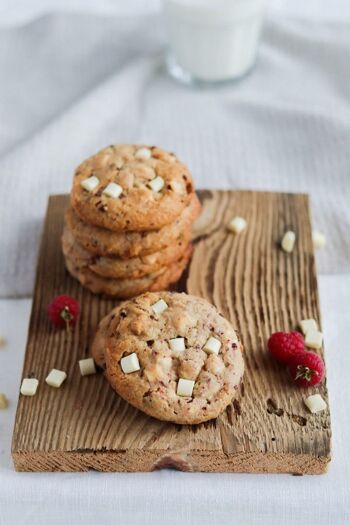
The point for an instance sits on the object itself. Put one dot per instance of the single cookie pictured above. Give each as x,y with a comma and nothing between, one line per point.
126,288
127,187
101,241
98,342
181,362
117,268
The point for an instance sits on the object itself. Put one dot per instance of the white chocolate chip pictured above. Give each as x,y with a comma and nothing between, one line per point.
156,184
237,224
212,346
288,241
130,363
29,386
143,154
185,387
113,190
4,403
315,403
87,366
307,325
177,186
2,341
56,378
90,183
318,239
313,339
177,344
159,307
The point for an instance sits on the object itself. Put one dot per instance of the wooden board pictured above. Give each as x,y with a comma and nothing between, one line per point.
85,425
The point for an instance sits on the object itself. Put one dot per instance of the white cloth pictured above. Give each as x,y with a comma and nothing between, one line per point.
172,498
75,83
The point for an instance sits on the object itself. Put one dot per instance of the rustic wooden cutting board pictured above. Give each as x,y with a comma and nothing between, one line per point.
85,425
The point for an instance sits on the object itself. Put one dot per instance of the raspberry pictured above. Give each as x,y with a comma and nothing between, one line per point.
63,311
307,369
283,346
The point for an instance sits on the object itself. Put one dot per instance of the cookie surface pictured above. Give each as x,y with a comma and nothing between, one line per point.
98,343
101,241
139,206
153,389
117,268
126,288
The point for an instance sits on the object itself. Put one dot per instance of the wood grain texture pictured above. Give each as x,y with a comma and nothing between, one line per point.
85,425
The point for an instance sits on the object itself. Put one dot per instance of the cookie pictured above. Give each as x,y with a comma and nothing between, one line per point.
126,288
97,348
98,343
181,381
128,187
101,241
117,268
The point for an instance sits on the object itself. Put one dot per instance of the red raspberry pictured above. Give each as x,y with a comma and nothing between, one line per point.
63,311
283,346
307,369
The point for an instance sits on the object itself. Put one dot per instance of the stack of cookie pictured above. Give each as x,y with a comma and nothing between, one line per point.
128,227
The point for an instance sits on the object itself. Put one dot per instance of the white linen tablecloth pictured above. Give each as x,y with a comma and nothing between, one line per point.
74,83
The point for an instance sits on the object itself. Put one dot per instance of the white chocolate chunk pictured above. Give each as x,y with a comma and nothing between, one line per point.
177,344
288,241
159,306
318,239
90,183
130,363
313,339
237,224
185,387
315,403
143,154
212,346
156,184
4,402
113,190
177,186
29,386
56,378
307,325
2,341
87,366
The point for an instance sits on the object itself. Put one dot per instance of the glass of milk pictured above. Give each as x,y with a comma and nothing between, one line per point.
212,41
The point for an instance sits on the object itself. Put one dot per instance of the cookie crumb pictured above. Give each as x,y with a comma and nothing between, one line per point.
4,403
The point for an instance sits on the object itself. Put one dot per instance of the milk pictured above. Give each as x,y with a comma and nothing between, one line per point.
212,40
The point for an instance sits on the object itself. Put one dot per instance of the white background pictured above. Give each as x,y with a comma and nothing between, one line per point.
19,11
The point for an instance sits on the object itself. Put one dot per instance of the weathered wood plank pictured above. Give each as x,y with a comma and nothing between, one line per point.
84,424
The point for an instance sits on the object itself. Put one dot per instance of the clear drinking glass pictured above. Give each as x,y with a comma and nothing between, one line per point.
212,41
